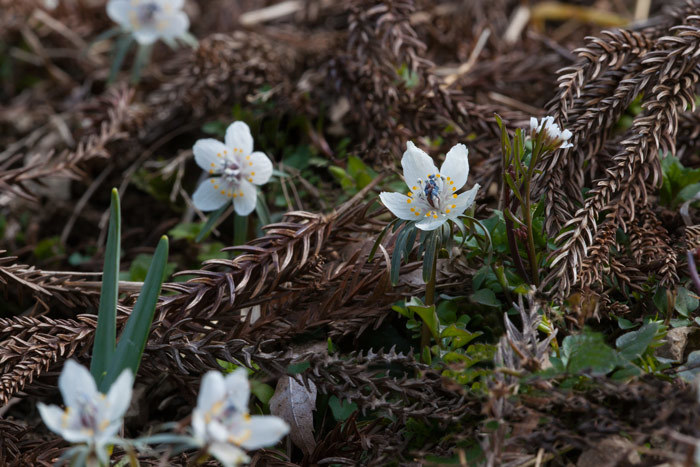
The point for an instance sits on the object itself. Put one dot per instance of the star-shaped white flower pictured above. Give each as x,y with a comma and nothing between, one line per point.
221,421
432,198
238,168
555,138
90,417
150,20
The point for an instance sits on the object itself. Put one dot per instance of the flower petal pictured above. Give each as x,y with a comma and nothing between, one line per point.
247,198
257,169
208,196
211,391
76,382
463,201
52,415
456,165
118,11
210,154
265,430
416,165
399,205
238,389
146,35
228,454
431,223
238,137
175,25
119,395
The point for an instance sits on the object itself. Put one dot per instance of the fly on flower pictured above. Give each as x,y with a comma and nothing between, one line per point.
236,170
433,196
150,20
90,417
222,424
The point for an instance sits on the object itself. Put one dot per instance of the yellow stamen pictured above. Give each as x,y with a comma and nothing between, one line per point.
250,163
408,200
211,171
247,158
219,155
252,174
410,194
417,214
414,188
223,192
454,206
413,209
454,196
213,165
447,211
452,183
216,187
454,189
434,216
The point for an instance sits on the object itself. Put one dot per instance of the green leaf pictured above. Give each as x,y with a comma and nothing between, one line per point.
240,229
429,317
139,268
686,302
460,337
185,231
588,352
296,368
634,343
341,410
693,365
485,297
133,339
213,217
261,210
396,255
120,50
261,390
106,332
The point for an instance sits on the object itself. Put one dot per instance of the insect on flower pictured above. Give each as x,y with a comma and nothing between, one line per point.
221,421
553,138
432,198
90,417
150,20
238,168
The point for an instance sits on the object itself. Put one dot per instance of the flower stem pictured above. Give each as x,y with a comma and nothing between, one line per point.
527,215
429,300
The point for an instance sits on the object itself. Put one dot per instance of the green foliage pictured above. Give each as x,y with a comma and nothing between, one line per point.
106,332
109,359
341,409
48,247
139,269
355,176
679,183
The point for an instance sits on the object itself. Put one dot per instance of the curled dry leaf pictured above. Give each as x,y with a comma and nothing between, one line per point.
295,404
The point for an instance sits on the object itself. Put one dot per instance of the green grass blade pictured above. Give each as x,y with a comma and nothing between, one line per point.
120,50
106,333
262,211
240,229
133,339
211,222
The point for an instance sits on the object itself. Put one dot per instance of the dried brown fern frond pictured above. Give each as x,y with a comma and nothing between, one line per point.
667,80
44,286
115,113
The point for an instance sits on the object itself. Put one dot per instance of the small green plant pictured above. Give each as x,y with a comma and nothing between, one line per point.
109,357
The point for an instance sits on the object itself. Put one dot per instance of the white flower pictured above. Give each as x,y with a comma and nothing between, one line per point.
221,421
150,20
432,198
50,4
90,417
239,167
555,137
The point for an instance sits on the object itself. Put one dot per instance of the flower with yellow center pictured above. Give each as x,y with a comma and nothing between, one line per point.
433,196
150,20
222,424
237,170
90,417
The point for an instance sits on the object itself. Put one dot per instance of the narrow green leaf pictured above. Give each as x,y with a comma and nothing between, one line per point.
411,240
106,332
213,217
429,257
380,237
261,210
120,50
397,254
240,229
133,339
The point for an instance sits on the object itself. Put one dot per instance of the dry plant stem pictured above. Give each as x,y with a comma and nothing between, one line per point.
429,300
693,269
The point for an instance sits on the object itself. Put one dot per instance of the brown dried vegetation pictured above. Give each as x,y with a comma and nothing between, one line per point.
379,72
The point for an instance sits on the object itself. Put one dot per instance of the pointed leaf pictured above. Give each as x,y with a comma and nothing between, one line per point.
106,332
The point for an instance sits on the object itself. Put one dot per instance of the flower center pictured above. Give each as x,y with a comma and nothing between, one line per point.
232,172
431,190
146,12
